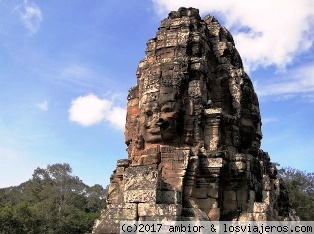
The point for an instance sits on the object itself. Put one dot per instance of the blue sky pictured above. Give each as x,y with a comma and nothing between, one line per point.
66,67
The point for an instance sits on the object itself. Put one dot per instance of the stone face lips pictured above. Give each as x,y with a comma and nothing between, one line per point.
193,132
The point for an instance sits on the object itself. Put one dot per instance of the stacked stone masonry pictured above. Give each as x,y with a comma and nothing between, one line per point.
193,132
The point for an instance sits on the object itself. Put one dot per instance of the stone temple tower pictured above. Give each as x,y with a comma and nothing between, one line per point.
193,132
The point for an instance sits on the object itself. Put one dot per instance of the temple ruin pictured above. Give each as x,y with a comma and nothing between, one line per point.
193,133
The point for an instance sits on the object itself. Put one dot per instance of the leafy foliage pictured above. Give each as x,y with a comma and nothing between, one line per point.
53,201
300,185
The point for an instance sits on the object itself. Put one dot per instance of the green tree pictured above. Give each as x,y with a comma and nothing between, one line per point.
7,222
53,201
300,186
96,198
12,194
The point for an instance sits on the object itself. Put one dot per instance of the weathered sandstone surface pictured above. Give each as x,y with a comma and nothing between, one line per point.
193,132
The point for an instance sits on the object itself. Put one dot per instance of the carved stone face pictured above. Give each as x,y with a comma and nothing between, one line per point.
161,119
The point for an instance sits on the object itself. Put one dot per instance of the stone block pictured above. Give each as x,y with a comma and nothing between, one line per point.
166,172
213,172
172,34
181,159
140,195
230,195
182,38
107,226
250,204
213,192
260,207
213,111
165,150
196,67
176,159
211,162
275,214
266,197
207,203
180,166
246,216
151,44
120,171
164,186
259,217
169,197
171,42
121,212
114,193
243,205
140,178
123,163
240,158
175,183
194,214
149,160
266,183
146,209
242,195
130,206
214,185
238,166
200,192
166,163
230,205
214,142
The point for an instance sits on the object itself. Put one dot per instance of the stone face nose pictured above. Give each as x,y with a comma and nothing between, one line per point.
193,129
162,123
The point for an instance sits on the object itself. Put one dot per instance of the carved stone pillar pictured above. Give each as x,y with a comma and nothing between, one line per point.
212,134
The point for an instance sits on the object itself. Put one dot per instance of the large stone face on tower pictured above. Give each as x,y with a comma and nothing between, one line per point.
193,132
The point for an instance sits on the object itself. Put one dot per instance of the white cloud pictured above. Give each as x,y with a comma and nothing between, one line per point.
89,110
81,77
76,71
297,81
77,75
43,105
31,16
309,97
266,32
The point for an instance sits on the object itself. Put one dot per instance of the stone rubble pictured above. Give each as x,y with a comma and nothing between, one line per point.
193,133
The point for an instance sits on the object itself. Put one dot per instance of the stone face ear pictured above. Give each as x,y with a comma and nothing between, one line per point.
193,133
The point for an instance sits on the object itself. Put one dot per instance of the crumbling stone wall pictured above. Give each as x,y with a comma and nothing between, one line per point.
193,132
